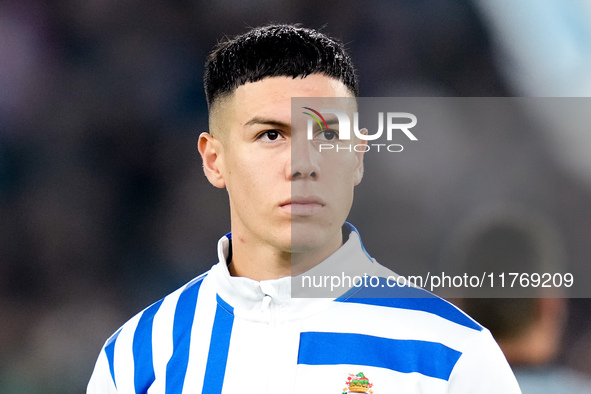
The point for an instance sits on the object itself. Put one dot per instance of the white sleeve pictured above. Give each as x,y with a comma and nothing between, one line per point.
483,369
101,381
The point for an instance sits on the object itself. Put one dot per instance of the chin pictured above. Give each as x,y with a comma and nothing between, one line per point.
308,237
294,243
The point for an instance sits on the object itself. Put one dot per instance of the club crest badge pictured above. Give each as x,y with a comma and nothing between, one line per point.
357,383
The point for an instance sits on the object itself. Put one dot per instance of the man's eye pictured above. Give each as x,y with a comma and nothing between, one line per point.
270,135
327,135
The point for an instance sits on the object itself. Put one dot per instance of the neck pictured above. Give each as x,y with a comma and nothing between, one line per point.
259,261
535,347
539,343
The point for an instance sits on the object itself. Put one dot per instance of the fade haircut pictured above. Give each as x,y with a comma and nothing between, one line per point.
272,51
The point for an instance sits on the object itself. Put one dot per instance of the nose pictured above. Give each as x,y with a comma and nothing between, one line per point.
304,161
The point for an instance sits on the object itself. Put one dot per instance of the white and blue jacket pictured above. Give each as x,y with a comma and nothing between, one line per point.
224,334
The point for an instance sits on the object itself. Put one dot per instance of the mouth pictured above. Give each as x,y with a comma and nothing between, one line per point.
303,205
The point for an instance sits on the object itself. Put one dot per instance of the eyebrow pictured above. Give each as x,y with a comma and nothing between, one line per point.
266,121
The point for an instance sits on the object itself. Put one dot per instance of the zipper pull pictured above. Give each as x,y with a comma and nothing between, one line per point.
266,301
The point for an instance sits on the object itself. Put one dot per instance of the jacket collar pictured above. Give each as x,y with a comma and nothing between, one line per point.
247,296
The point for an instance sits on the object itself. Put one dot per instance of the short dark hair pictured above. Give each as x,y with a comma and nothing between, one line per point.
275,50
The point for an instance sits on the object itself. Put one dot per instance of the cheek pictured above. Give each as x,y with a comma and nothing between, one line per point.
347,178
246,177
342,170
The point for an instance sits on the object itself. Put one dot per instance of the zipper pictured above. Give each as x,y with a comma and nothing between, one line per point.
269,305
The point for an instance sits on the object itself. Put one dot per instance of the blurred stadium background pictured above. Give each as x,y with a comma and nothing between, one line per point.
103,204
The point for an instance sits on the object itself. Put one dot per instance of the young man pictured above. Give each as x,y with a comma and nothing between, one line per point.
236,328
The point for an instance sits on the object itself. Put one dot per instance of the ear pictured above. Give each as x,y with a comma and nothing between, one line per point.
211,152
359,156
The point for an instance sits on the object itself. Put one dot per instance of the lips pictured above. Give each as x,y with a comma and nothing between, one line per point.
303,205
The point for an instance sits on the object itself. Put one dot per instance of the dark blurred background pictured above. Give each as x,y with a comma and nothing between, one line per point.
103,204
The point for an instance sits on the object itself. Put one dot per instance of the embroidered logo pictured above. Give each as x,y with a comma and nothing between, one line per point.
357,384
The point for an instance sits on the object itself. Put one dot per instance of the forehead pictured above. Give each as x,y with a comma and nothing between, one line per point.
271,97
